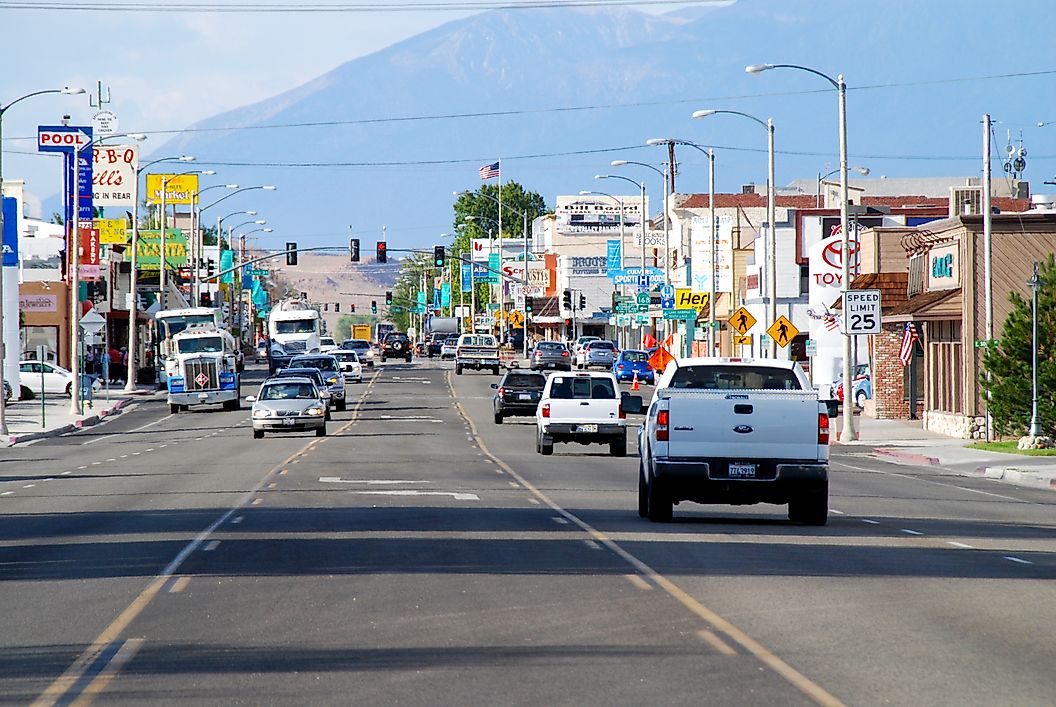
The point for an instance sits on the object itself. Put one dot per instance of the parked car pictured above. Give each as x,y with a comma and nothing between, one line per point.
550,354
350,365
37,375
600,354
585,408
863,386
517,393
577,347
362,348
288,404
630,362
7,391
312,374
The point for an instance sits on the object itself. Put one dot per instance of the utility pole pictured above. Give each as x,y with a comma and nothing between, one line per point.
988,274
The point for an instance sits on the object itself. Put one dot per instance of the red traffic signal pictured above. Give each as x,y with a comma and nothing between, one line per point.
383,254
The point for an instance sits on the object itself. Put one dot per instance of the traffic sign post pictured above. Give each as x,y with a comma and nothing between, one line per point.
742,320
782,331
861,312
681,314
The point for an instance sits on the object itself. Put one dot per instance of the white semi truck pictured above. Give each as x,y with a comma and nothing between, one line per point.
294,328
202,369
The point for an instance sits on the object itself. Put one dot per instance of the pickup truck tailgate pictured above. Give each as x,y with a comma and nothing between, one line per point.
744,424
584,410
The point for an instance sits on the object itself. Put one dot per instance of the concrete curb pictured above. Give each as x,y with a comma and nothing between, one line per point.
898,455
89,421
1012,475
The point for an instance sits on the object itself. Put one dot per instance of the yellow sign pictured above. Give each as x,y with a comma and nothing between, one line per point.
742,320
516,318
179,188
111,230
782,331
742,340
686,298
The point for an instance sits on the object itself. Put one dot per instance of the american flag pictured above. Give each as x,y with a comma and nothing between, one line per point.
909,339
489,171
832,321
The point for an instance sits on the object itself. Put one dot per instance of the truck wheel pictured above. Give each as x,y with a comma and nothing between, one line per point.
643,494
408,359
341,405
320,431
618,447
458,369
545,448
810,508
498,418
174,409
660,507
496,370
258,434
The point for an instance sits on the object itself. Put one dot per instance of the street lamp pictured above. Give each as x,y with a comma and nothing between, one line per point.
3,339
75,266
1035,287
623,235
163,258
667,235
133,306
771,217
848,433
864,171
641,188
712,234
196,238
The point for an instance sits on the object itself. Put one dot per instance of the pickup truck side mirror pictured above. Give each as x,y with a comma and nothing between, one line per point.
251,398
832,407
495,386
632,404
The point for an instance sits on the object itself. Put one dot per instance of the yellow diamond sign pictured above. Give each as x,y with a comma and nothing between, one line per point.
742,320
782,331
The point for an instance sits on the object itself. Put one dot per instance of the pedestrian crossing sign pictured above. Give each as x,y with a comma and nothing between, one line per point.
782,331
742,320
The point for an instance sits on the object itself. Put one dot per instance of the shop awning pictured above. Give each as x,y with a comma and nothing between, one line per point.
892,285
928,306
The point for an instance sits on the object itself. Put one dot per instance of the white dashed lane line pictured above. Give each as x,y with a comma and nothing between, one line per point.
960,545
1018,560
870,522
907,531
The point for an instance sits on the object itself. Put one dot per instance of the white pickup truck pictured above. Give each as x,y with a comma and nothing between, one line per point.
734,431
586,408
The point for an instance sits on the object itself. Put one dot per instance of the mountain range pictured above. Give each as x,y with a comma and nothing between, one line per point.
384,139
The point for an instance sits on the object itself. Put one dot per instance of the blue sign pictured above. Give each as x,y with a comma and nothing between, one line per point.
467,275
613,257
653,272
10,241
667,297
63,138
621,279
482,274
84,186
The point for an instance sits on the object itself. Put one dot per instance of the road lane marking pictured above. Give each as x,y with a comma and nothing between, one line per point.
839,513
6,493
637,581
560,520
715,642
107,671
592,545
960,545
178,584
940,483
28,486
138,429
273,484
1016,559
236,521
257,501
870,522
67,473
800,681
369,482
907,531
457,495
211,545
83,467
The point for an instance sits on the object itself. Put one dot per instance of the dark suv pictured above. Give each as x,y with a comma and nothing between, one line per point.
518,393
436,340
396,346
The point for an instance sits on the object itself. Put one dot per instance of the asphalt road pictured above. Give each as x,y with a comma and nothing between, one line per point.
422,555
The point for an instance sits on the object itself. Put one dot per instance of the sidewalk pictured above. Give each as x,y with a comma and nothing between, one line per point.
906,442
24,416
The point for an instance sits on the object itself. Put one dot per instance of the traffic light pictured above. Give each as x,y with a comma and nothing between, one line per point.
383,254
388,298
582,301
337,306
373,307
210,266
205,299
353,249
438,256
291,253
529,304
566,299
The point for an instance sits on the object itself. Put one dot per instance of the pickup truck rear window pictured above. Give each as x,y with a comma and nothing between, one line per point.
734,378
582,389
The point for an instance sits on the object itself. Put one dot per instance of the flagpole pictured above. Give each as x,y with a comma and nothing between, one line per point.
502,285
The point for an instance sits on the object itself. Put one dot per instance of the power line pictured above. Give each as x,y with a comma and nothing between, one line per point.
316,8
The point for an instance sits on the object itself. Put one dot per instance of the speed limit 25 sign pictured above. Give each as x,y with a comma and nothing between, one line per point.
861,312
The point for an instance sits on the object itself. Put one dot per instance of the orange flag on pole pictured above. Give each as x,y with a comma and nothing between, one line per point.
660,358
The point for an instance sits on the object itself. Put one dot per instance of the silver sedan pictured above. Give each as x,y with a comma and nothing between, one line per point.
288,405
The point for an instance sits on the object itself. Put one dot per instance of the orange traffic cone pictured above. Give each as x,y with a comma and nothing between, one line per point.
634,383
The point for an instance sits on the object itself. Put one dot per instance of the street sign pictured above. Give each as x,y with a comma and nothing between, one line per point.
685,298
256,272
92,322
745,340
641,318
643,298
104,123
812,347
782,331
626,307
742,320
861,312
62,138
682,314
650,270
985,343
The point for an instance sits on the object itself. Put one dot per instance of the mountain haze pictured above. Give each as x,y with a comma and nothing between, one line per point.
658,68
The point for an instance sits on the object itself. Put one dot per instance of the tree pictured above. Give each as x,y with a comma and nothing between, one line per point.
343,328
1009,363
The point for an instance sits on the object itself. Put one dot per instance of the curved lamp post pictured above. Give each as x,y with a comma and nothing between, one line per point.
641,189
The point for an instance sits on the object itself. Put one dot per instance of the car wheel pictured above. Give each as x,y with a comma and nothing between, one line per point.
660,506
810,507
258,434
545,448
341,406
174,409
458,369
498,418
618,447
860,398
496,370
408,359
69,389
643,494
320,431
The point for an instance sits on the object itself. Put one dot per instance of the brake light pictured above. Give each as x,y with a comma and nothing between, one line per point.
662,425
564,354
623,414
546,410
823,428
538,354
502,392
619,366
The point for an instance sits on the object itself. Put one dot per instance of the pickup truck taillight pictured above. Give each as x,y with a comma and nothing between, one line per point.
823,428
546,410
502,392
662,419
623,413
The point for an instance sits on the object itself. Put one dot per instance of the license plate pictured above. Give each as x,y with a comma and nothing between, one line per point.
742,471
288,421
586,428
524,396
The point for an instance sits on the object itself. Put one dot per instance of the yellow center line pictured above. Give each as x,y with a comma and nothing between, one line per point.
804,684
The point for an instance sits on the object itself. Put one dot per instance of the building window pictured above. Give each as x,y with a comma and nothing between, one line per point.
945,367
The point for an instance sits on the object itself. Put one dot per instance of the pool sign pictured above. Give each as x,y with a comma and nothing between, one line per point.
62,138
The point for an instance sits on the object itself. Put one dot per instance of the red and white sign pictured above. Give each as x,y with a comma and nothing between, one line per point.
51,139
89,244
114,174
201,379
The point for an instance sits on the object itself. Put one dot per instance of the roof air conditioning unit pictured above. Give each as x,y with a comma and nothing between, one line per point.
966,201
747,188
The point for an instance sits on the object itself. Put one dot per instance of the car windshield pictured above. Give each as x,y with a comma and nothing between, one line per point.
635,356
585,388
327,340
323,363
525,380
286,391
735,378
550,346
356,344
177,323
346,356
296,326
204,344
